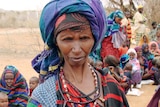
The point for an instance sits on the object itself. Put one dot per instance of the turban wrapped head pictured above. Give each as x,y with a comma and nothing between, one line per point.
48,61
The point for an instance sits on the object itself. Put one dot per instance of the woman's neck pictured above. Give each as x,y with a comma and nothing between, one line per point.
76,74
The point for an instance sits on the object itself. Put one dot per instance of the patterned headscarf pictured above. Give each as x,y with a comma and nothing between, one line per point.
18,94
48,61
157,50
112,26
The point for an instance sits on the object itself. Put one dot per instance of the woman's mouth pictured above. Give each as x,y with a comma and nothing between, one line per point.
76,59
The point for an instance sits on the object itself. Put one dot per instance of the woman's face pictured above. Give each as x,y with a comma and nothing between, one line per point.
118,20
75,46
9,79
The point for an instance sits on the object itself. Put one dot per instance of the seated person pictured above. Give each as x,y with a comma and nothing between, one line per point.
113,64
128,73
142,60
3,100
146,53
154,72
136,69
154,49
128,70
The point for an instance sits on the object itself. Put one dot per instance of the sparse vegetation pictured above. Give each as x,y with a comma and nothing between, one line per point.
19,19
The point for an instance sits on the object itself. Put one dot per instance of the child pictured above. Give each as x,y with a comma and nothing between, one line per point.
136,69
33,83
127,70
112,63
3,100
98,65
128,73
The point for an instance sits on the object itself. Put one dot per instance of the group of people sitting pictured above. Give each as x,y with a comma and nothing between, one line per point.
14,90
132,64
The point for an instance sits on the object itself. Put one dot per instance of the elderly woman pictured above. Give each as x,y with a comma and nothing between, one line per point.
71,30
14,85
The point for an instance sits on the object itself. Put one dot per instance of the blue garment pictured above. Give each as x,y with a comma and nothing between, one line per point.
123,60
112,26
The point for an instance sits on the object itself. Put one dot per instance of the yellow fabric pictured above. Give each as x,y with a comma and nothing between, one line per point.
140,6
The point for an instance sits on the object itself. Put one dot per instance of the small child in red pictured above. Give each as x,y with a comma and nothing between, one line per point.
33,83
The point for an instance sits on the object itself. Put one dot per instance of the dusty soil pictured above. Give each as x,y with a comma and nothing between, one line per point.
19,46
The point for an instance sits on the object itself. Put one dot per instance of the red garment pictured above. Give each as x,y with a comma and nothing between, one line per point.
113,94
108,49
30,92
123,50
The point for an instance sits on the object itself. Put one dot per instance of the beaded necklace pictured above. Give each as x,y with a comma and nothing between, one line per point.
68,96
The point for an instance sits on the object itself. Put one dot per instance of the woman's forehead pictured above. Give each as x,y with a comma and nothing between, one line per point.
9,74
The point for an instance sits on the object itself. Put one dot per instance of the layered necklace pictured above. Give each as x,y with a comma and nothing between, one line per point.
68,97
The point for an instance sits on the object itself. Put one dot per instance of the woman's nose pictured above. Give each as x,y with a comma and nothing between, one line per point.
76,47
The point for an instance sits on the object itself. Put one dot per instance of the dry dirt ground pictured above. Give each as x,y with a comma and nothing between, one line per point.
19,46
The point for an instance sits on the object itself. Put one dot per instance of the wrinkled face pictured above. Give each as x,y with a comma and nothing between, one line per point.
9,79
75,46
118,20
132,55
33,83
4,101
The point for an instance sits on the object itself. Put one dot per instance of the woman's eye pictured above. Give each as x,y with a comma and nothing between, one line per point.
68,39
84,38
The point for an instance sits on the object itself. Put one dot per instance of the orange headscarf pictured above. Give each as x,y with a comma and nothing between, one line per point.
141,42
